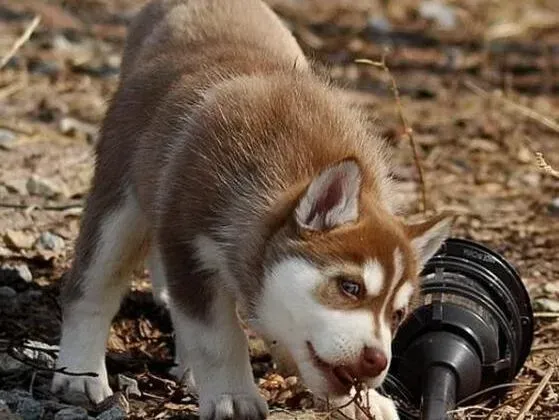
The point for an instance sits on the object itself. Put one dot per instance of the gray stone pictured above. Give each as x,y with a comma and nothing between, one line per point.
44,358
547,305
24,272
129,386
43,187
6,413
51,242
554,207
9,364
29,409
71,413
7,292
113,413
8,139
18,186
443,14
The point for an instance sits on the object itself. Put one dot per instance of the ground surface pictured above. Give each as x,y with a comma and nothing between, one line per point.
480,88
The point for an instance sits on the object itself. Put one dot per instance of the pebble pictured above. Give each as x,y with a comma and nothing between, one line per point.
18,186
6,413
29,409
547,305
50,242
71,413
8,139
113,413
554,207
42,357
129,386
443,14
43,187
8,364
18,239
24,272
7,292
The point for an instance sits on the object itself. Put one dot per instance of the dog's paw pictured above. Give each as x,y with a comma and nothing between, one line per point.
234,407
382,408
95,388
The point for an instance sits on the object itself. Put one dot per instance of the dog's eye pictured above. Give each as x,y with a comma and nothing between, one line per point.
397,318
350,287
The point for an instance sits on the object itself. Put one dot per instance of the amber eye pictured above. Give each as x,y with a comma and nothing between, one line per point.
350,287
397,318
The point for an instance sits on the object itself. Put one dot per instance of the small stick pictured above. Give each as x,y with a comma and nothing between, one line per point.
521,109
546,314
34,207
536,394
20,41
546,167
407,129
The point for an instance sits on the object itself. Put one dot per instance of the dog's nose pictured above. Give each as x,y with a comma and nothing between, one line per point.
373,362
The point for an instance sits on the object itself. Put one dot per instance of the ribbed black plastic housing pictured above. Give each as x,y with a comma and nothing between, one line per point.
471,329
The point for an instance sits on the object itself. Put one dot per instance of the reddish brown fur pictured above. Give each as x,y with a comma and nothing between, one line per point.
218,123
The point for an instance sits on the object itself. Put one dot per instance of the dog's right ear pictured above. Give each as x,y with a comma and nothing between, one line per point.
332,198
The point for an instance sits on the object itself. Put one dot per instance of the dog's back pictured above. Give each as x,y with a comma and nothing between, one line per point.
246,181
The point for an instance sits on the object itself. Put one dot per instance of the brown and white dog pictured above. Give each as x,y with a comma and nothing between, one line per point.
248,184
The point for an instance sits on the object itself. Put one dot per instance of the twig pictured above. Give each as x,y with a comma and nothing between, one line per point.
545,347
10,351
546,167
20,41
37,207
546,314
536,394
407,129
521,109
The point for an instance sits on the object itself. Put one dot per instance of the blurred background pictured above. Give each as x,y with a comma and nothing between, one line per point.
479,87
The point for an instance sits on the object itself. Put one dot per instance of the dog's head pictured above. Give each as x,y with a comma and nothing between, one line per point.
339,277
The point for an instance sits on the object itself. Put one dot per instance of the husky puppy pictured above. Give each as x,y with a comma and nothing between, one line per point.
250,186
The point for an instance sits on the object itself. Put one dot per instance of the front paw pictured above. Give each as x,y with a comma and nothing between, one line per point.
234,407
95,388
380,407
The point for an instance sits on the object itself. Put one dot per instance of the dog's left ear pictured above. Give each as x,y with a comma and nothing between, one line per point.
428,236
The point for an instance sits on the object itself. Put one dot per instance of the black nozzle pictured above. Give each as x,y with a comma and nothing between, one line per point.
472,328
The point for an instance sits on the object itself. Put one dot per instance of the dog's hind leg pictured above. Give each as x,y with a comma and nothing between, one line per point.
113,239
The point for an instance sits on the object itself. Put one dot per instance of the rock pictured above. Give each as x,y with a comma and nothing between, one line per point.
113,413
547,305
443,14
44,358
18,186
71,126
24,272
8,139
379,24
43,187
8,364
29,409
50,242
7,292
554,207
18,239
71,413
129,386
6,413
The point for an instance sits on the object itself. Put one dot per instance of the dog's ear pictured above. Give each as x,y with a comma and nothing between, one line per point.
332,198
428,236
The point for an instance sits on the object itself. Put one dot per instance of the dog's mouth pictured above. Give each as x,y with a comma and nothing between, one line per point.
340,379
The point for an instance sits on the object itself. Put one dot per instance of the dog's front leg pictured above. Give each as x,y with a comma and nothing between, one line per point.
216,349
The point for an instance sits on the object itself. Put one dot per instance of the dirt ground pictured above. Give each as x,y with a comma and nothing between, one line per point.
479,85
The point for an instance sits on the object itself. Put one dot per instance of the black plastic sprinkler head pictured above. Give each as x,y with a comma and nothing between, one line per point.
472,329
